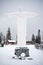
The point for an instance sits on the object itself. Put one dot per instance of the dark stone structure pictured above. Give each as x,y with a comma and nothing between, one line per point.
20,50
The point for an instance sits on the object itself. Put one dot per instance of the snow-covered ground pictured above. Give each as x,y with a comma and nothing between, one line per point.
7,52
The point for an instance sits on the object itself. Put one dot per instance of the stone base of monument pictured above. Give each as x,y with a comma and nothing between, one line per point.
21,52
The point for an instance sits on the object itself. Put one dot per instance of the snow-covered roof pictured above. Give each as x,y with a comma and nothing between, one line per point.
11,41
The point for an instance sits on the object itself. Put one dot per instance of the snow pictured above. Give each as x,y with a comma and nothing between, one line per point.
11,41
7,52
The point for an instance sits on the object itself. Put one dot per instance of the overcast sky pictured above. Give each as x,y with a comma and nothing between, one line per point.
33,23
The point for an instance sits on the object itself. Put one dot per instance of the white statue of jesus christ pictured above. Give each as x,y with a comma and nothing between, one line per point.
21,27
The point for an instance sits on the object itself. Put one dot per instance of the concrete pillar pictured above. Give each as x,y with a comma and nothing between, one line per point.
21,30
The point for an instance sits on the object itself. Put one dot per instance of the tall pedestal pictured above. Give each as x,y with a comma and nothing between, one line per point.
21,31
